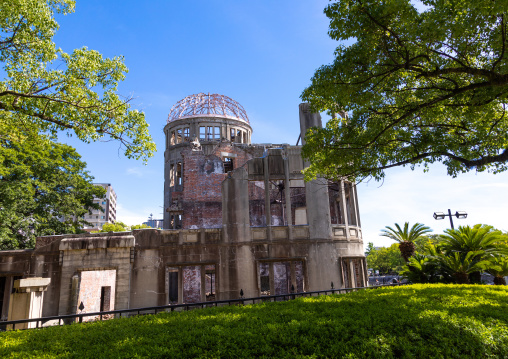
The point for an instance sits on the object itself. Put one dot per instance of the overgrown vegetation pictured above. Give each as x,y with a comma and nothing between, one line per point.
386,260
457,256
460,256
120,227
419,321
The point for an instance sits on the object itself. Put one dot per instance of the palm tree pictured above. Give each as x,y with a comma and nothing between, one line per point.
460,266
478,238
499,269
416,269
406,237
424,268
486,242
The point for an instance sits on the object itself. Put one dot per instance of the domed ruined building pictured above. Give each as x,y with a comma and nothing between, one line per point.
237,217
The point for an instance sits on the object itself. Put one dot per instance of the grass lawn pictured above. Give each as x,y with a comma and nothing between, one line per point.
418,321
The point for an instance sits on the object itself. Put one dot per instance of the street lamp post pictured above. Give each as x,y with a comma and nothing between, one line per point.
458,214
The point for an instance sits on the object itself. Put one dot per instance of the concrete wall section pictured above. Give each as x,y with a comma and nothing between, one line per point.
110,252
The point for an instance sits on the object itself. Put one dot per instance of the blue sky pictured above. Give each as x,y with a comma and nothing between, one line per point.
262,54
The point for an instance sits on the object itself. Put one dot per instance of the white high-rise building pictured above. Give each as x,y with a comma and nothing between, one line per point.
108,214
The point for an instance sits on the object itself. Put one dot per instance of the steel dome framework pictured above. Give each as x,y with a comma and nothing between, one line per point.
207,105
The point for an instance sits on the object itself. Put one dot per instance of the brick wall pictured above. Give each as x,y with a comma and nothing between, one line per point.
203,175
191,284
90,289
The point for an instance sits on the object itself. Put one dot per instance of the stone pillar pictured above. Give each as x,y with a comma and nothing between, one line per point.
26,302
318,208
308,120
235,207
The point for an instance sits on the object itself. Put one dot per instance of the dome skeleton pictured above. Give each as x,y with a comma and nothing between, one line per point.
207,105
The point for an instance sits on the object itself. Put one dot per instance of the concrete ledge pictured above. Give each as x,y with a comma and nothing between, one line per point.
107,240
31,282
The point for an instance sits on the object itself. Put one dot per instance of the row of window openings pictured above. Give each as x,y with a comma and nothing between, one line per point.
207,133
186,284
278,216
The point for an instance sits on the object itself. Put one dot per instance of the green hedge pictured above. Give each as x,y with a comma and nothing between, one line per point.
441,321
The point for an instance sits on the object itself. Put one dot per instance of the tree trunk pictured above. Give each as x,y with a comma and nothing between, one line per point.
499,281
407,249
475,277
461,278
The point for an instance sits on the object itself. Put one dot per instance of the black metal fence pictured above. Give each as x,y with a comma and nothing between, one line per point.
78,318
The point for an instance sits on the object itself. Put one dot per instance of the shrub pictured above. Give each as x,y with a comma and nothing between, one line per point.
413,321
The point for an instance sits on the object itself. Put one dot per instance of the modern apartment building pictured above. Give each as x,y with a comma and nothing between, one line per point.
108,213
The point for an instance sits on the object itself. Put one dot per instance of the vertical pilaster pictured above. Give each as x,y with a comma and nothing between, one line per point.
268,215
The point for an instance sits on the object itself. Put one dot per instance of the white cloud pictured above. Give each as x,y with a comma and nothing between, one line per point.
137,216
136,171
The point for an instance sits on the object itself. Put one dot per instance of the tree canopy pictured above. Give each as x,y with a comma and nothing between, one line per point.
44,190
120,227
419,85
385,259
44,186
46,90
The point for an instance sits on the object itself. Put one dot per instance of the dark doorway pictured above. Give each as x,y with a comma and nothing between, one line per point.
173,285
105,299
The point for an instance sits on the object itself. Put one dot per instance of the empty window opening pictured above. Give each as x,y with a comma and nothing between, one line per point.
257,204
186,134
171,175
172,285
350,204
298,202
214,133
238,136
202,133
357,265
282,277
179,135
191,284
105,299
172,141
228,164
335,201
232,134
279,278
264,278
277,203
299,276
179,173
345,273
210,283
176,221
244,137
